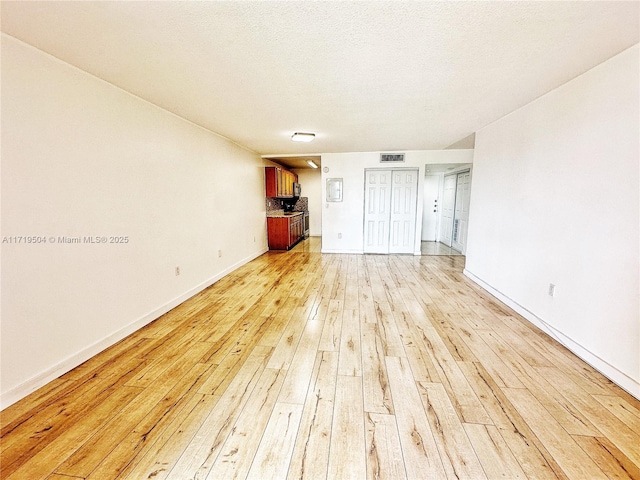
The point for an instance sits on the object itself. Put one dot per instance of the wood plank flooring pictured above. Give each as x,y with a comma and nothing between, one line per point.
301,365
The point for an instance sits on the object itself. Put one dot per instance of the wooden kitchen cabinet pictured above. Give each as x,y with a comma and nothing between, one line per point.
296,229
284,232
289,178
279,182
272,178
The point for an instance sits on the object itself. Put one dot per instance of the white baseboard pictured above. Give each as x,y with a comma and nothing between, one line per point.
31,385
362,252
620,378
348,252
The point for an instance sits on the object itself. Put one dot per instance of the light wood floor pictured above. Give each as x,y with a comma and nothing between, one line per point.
437,248
304,365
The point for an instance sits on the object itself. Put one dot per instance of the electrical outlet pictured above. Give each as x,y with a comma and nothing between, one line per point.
339,235
177,271
219,253
552,290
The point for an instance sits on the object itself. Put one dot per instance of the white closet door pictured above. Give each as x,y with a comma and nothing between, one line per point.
377,211
403,211
448,206
461,215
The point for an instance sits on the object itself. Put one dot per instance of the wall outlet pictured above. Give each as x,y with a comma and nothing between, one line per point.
177,271
219,253
339,235
552,290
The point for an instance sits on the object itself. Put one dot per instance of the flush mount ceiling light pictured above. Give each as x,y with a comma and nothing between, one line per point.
303,137
311,164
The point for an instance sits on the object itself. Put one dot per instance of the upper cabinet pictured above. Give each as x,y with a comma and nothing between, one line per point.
279,182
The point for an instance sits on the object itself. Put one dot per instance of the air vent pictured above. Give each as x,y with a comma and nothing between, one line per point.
391,157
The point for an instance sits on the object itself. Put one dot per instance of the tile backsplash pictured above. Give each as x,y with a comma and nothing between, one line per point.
302,205
274,204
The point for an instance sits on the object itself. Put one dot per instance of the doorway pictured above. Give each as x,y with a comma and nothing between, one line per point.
445,213
455,210
390,210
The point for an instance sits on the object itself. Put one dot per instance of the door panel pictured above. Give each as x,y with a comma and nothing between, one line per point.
448,206
403,214
461,214
377,210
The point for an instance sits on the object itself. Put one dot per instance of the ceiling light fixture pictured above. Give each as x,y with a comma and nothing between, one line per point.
303,137
311,164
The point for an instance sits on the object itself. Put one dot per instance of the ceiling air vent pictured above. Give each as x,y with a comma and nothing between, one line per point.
391,157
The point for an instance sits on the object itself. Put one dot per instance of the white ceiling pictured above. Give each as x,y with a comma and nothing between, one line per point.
364,76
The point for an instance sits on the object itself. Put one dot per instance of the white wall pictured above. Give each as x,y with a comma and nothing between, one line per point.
81,157
311,182
347,217
555,200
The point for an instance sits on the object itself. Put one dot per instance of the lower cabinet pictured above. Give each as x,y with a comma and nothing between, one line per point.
284,232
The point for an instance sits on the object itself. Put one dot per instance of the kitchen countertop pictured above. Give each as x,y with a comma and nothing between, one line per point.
280,213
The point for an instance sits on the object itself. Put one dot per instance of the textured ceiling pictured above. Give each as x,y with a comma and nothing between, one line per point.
365,76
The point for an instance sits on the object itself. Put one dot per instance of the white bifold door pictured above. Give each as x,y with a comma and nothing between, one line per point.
390,211
461,214
448,209
455,210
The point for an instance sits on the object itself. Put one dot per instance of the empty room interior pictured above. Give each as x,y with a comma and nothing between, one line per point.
320,240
